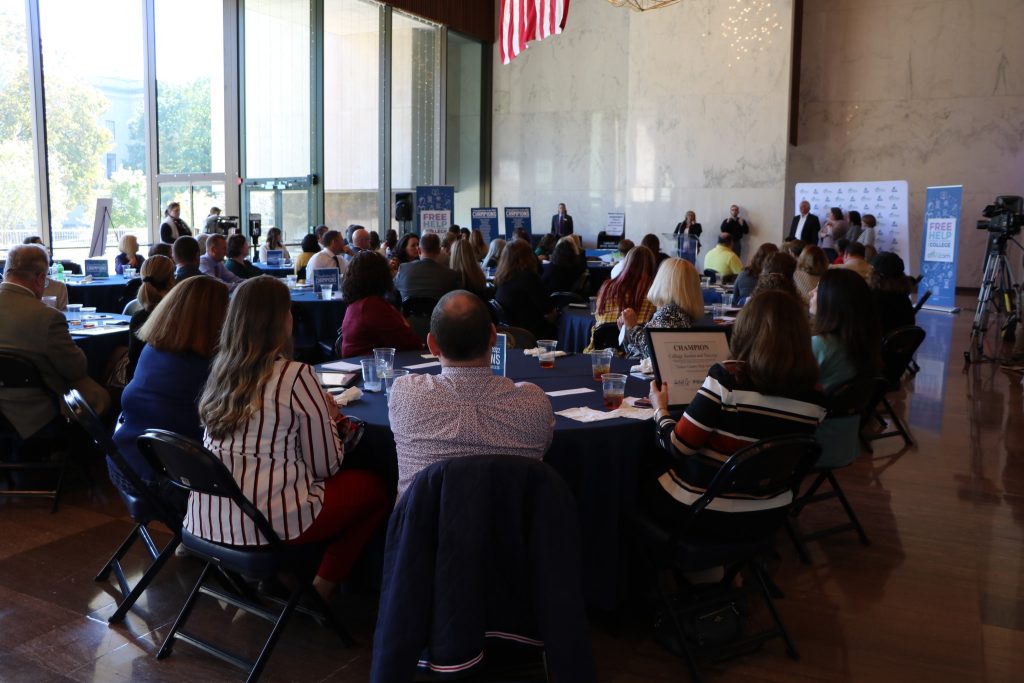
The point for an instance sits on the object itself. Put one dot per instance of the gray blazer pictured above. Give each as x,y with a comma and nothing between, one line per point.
425,279
31,329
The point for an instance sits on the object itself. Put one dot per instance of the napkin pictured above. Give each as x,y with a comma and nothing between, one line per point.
645,367
627,409
536,351
347,396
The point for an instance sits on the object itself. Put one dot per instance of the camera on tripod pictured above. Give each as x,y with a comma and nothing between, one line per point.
1005,216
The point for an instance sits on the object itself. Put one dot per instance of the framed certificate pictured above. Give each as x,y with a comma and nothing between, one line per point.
682,356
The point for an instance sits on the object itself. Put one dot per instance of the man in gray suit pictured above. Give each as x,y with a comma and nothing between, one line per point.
38,333
426,278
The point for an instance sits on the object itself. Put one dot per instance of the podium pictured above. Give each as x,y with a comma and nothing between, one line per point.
687,247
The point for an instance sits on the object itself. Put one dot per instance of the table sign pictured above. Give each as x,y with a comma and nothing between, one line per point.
616,225
274,257
499,354
939,246
326,276
435,205
682,357
97,267
517,217
486,221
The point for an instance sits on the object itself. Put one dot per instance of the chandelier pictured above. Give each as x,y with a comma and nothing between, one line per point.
642,5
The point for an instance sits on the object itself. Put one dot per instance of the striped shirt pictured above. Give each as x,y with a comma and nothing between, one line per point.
726,415
279,458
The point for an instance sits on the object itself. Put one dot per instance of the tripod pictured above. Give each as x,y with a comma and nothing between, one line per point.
999,295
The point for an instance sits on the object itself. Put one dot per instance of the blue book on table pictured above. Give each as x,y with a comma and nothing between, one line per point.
326,276
97,267
498,355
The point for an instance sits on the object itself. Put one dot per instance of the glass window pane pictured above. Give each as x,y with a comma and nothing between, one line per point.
196,201
94,101
190,86
462,139
413,128
277,88
351,95
18,215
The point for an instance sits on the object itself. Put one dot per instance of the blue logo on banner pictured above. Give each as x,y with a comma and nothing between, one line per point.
434,198
939,244
326,276
498,355
97,267
486,221
517,217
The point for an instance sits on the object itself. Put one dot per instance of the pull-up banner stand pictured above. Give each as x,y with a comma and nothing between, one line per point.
939,247
100,226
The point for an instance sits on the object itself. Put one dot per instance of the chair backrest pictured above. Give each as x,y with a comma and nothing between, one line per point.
711,273
419,306
497,312
606,336
192,467
563,299
763,469
921,300
852,398
898,349
18,372
129,293
517,337
72,267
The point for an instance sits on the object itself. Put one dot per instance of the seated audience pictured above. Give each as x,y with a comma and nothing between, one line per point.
390,242
186,257
426,278
161,249
330,256
846,345
320,231
157,280
238,258
890,288
129,256
854,260
407,251
777,273
521,292
179,337
841,246
811,265
465,264
212,262
375,244
652,242
793,247
870,253
746,281
310,247
476,238
628,290
273,427
370,321
676,292
466,410
722,259
38,333
545,246
767,388
490,259
274,242
625,246
565,272
360,240
522,234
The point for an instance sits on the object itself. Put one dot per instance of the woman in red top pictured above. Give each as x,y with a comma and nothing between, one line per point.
370,321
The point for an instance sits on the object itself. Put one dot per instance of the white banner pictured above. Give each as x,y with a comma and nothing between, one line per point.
886,200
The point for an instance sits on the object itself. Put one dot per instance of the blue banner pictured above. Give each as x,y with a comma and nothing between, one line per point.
499,354
435,206
517,217
486,221
326,276
97,267
275,257
939,246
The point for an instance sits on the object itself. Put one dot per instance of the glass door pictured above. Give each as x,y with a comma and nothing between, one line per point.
281,203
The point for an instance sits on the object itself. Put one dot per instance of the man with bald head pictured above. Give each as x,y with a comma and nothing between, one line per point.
805,225
466,410
360,240
31,329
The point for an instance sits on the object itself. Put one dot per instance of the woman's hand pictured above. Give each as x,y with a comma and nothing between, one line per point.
332,407
659,397
628,318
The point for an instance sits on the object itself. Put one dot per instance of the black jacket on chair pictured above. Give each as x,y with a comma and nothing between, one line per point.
482,546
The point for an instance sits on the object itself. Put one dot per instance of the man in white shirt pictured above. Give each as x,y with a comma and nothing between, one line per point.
330,256
466,410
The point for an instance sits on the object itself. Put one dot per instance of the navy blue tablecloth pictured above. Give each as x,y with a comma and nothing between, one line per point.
103,294
599,460
276,271
316,320
99,347
574,325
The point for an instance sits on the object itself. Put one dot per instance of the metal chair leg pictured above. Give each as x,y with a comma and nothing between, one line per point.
761,579
168,643
848,508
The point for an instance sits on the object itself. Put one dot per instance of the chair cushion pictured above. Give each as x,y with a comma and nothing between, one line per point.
259,561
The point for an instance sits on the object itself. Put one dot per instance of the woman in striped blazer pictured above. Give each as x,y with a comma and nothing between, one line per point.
271,424
768,388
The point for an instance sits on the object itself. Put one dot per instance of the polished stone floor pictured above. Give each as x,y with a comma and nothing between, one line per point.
937,596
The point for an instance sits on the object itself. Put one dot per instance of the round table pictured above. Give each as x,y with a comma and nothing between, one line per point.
600,461
283,270
316,320
574,326
104,294
99,343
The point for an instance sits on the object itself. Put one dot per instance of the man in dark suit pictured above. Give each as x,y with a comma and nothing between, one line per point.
426,278
38,333
805,225
561,222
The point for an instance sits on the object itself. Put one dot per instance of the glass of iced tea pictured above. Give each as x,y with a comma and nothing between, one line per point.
613,386
546,352
601,363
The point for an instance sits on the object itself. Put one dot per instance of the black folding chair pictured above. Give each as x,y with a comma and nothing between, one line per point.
38,452
762,470
498,315
143,506
422,306
898,349
606,336
190,466
849,400
563,299
517,337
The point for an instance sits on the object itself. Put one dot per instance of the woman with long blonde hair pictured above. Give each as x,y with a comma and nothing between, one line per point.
676,293
276,430
129,256
464,262
157,280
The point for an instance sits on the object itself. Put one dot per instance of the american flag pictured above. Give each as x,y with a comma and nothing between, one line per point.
526,20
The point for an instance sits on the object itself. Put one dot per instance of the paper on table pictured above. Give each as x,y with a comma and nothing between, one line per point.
427,355
625,410
342,366
347,396
420,366
535,351
569,392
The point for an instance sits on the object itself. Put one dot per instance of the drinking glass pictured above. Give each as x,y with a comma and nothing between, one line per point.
613,386
326,291
74,312
705,283
129,273
385,357
390,375
371,374
546,355
291,280
717,311
600,363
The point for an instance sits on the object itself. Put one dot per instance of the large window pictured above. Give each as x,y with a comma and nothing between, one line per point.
463,125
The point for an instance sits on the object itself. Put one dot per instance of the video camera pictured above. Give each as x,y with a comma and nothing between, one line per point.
1005,216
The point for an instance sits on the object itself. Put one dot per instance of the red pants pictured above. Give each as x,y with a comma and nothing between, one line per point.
355,505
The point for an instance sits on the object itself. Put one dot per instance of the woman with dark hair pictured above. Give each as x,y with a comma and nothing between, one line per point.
310,247
745,282
476,238
157,280
566,269
777,273
546,245
846,345
628,290
237,258
811,265
834,229
370,321
767,388
867,233
853,218
408,249
891,291
390,242
274,242
521,292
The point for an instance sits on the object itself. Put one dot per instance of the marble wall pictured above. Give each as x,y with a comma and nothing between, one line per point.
930,91
652,114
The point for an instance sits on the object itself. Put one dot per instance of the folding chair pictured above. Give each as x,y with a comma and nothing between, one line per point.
498,315
563,299
143,506
764,469
517,337
190,466
898,349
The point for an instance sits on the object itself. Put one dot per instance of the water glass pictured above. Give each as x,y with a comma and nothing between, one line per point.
371,374
74,312
88,310
129,273
326,291
390,375
613,386
717,311
385,357
705,283
600,363
291,280
546,353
